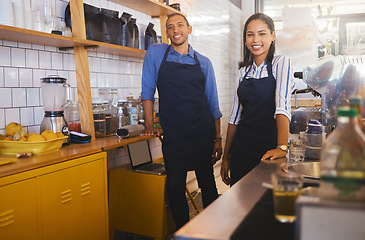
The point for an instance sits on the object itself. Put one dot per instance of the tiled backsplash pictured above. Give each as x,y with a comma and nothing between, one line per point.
216,34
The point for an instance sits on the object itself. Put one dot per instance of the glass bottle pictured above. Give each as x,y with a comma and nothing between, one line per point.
343,160
123,113
356,103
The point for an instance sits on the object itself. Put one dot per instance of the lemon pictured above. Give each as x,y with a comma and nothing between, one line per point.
22,139
30,134
49,135
36,138
12,128
59,134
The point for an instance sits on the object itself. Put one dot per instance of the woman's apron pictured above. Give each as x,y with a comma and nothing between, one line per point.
187,123
257,131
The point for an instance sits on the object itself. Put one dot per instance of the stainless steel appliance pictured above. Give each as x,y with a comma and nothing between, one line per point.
55,96
336,79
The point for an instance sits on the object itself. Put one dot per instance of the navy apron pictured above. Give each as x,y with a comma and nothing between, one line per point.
257,131
187,124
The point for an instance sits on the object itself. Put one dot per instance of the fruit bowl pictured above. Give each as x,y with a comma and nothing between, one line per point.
36,148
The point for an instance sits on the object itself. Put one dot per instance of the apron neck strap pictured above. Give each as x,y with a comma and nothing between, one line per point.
168,50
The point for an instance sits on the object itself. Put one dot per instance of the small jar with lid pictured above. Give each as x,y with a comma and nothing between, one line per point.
72,116
110,101
99,119
123,113
133,110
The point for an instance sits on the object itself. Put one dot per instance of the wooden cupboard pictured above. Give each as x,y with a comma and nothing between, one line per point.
67,200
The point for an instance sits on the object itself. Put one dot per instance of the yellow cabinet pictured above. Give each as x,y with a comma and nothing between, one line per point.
66,200
18,211
138,204
73,203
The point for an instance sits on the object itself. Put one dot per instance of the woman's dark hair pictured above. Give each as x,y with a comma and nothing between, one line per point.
247,55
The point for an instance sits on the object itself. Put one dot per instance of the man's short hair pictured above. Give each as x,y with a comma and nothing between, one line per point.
177,14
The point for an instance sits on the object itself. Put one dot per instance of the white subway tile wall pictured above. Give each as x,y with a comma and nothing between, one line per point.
216,34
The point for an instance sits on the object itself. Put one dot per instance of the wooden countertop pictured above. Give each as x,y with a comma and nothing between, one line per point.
74,150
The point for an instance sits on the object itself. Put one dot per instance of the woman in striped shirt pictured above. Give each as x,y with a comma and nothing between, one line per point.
258,127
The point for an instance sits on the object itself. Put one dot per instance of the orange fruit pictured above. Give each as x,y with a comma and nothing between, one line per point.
36,138
49,135
8,139
12,128
30,134
22,139
59,134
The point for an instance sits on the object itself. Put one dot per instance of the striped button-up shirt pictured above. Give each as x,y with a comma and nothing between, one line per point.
283,73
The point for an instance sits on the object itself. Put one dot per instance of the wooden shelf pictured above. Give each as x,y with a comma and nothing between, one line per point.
29,36
150,7
10,33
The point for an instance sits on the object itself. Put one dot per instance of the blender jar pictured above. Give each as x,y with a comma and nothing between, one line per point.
54,92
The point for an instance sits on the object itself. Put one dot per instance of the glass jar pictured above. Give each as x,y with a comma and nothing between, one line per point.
133,110
109,97
108,117
123,113
99,119
72,116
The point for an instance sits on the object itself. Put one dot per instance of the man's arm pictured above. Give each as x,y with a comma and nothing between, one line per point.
148,119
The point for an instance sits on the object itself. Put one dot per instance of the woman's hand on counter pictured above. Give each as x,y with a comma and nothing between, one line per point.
274,154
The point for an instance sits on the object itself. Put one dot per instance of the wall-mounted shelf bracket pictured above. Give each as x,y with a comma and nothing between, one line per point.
71,48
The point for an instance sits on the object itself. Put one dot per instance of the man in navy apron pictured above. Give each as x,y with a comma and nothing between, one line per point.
189,114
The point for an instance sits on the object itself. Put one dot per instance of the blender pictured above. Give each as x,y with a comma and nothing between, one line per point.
55,96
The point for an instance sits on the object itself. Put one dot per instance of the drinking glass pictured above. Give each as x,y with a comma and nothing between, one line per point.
297,149
286,189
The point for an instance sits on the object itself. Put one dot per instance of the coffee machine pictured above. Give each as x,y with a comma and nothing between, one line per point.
336,79
55,96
